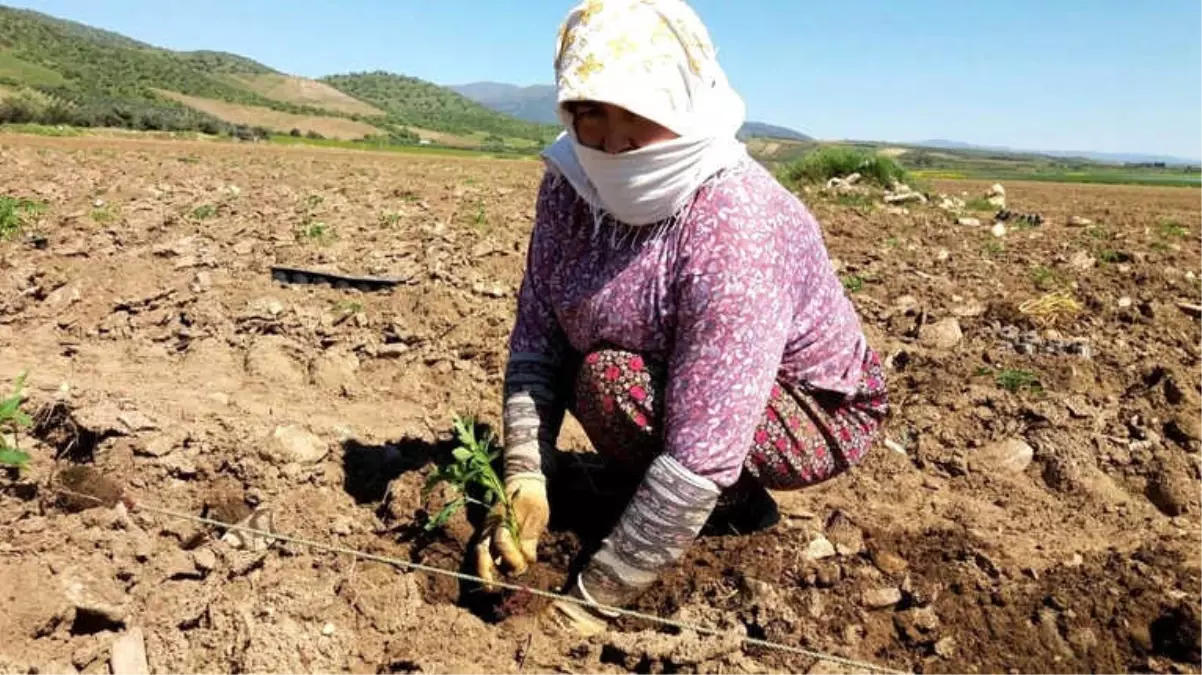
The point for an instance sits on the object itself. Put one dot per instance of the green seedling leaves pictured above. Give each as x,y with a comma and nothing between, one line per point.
470,470
12,420
14,458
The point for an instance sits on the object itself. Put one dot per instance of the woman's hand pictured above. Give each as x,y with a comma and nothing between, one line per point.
499,547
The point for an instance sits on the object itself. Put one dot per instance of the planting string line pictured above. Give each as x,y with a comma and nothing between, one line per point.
418,567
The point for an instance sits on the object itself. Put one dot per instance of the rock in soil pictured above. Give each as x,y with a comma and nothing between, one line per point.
844,534
880,598
93,595
943,334
292,443
820,548
129,654
1009,456
887,562
204,559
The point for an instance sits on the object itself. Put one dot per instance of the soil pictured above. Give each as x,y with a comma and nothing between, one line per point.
1033,504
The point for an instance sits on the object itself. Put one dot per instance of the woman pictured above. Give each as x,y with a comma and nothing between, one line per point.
678,300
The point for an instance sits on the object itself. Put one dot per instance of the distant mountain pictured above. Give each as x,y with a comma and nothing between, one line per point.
1111,157
764,130
536,103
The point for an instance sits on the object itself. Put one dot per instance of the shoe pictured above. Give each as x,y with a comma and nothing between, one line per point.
743,510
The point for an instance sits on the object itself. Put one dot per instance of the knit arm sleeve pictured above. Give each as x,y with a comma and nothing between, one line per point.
535,381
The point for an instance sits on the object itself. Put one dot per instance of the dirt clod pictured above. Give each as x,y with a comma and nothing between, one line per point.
83,487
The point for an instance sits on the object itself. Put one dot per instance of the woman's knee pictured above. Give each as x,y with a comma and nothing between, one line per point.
617,398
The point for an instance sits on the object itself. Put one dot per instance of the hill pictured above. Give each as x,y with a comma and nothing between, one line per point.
536,103
55,71
417,103
76,74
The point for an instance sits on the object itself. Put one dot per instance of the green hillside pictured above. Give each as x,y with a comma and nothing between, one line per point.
417,103
54,71
91,77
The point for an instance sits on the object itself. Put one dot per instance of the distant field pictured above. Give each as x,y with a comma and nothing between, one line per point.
303,91
438,150
929,163
29,73
1101,176
235,113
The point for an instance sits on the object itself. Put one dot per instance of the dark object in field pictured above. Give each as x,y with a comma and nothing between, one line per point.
1031,218
296,275
82,488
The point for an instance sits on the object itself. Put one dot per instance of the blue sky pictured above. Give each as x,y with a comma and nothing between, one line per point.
1100,75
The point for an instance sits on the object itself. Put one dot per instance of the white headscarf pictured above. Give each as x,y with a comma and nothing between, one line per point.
653,58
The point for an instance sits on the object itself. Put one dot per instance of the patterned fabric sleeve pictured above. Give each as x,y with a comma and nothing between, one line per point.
538,350
733,312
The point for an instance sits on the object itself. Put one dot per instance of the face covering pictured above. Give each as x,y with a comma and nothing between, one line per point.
647,185
653,58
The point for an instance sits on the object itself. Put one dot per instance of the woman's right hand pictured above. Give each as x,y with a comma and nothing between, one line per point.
499,547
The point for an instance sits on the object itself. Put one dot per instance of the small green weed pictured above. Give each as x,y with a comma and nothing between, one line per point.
1111,256
857,200
16,213
102,215
1171,229
993,249
853,283
1015,381
1099,233
979,204
188,159
480,219
12,420
316,231
892,242
1045,278
390,219
204,212
311,228
348,306
470,470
